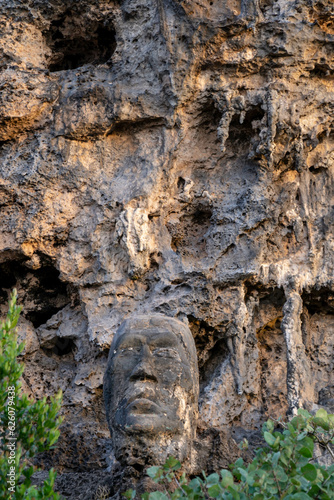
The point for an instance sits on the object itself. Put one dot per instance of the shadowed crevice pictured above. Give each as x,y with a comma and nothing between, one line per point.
76,41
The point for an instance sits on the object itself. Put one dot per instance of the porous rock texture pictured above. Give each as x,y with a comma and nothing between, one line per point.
170,156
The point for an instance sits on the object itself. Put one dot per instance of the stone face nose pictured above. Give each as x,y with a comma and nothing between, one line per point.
144,369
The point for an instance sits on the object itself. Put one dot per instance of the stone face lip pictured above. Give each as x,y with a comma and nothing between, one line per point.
142,406
151,386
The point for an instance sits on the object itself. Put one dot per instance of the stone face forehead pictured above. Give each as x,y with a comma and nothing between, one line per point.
150,334
152,321
160,324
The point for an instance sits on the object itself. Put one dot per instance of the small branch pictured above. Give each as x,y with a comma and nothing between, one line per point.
330,450
179,485
277,483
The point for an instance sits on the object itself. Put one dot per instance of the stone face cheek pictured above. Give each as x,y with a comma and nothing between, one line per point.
151,388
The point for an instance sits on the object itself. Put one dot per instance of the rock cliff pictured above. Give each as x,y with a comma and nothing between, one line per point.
176,157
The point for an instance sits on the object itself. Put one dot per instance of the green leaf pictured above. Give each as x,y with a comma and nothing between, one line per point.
172,463
270,439
281,475
272,489
154,472
303,413
270,426
305,452
309,472
212,479
320,422
331,420
227,478
239,462
234,493
300,496
302,436
243,473
158,495
270,480
314,491
214,491
297,422
308,443
28,472
275,458
322,414
196,483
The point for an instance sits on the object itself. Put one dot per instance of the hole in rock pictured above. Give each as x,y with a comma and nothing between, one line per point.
63,346
320,70
211,348
267,295
40,291
266,5
76,40
244,137
3,144
241,133
206,121
215,358
181,183
317,170
319,301
209,118
202,217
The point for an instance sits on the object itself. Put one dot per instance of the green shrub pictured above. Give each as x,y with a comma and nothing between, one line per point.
27,427
286,468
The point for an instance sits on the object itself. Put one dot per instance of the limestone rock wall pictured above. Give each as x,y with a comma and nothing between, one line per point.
177,157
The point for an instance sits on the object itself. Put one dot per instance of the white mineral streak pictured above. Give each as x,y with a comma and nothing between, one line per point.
133,229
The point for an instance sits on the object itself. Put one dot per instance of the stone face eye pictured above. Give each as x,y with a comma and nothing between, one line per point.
130,350
166,352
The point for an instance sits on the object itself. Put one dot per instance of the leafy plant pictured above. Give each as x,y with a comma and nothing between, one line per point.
285,469
27,427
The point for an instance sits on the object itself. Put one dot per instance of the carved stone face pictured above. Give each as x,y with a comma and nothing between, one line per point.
151,387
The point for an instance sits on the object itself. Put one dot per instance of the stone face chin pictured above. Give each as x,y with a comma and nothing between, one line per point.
170,157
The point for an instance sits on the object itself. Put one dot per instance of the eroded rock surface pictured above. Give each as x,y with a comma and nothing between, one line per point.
170,157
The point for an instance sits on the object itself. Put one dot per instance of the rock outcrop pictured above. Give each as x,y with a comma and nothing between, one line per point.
172,157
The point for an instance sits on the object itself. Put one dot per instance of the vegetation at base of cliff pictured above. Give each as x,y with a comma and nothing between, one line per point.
27,427
288,467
